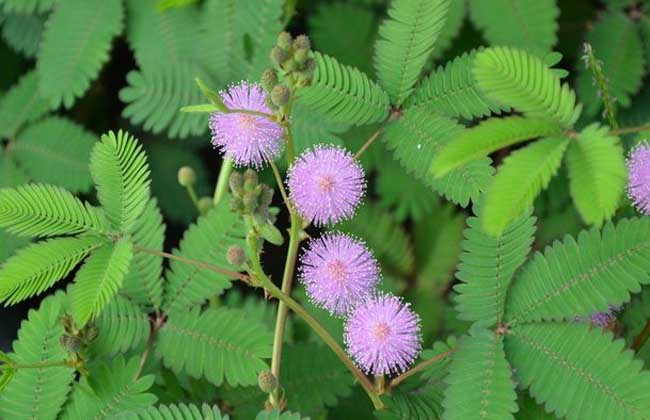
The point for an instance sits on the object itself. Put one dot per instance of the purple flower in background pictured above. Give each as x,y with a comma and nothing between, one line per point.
247,139
638,186
601,319
338,271
383,335
326,184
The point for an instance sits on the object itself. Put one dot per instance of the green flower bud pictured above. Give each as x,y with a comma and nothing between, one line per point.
302,42
266,196
270,103
250,202
236,204
284,40
269,79
91,332
289,65
280,95
250,180
267,382
236,182
70,343
236,256
301,56
186,176
205,204
278,55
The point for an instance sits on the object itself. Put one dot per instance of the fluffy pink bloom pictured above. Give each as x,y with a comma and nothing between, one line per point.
247,139
326,184
383,335
638,186
338,271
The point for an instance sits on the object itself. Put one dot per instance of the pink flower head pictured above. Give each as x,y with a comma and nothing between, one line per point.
247,139
383,335
638,186
326,184
338,271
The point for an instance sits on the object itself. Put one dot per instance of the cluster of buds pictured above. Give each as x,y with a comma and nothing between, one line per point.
249,196
74,339
293,67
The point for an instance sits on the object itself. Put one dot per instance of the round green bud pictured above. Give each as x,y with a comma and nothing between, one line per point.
91,332
278,55
280,95
186,176
284,40
205,204
289,65
267,381
269,79
236,256
236,182
301,56
266,196
270,103
302,42
70,343
250,201
236,204
250,180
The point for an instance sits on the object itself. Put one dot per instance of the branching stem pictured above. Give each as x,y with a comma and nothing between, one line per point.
420,367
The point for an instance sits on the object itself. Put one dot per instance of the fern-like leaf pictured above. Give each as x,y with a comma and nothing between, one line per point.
44,210
207,240
23,33
143,284
579,373
406,39
119,167
579,278
178,412
69,60
488,137
597,173
22,104
344,94
38,393
487,267
531,25
55,150
99,279
36,268
523,81
216,344
384,235
480,380
417,137
122,326
521,177
111,391
452,91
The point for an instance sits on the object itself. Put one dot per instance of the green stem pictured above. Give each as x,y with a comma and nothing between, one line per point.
56,363
368,143
630,130
192,194
420,367
278,180
641,339
251,112
222,182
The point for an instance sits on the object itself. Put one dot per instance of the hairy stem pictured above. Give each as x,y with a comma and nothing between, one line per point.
283,192
368,143
629,130
222,182
419,368
55,363
192,194
641,339
156,324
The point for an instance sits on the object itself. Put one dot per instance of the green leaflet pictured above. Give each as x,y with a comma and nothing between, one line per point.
68,61
207,240
480,380
220,345
416,138
597,173
22,104
99,279
38,393
111,391
488,137
44,210
10,174
119,168
23,33
452,91
487,267
178,412
343,94
122,326
616,42
37,267
26,6
523,81
406,39
578,372
579,278
531,25
56,150
521,177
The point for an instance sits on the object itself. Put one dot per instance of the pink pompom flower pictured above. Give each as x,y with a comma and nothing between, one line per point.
383,335
638,186
338,271
326,184
248,139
